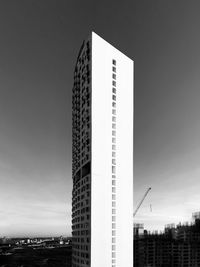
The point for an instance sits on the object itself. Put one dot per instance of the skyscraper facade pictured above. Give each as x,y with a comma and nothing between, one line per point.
102,157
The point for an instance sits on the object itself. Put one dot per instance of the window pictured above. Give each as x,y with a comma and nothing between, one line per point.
114,62
114,118
114,161
113,218
113,125
113,255
113,182
114,90
113,147
113,154
113,140
114,97
113,133
114,111
113,169
113,211
114,104
114,76
113,197
113,239
114,83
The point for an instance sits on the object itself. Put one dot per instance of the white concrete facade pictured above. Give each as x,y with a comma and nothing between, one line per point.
111,173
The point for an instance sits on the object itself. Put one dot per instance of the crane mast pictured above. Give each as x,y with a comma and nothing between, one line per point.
141,201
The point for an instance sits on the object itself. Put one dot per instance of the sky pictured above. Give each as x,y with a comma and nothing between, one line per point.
40,41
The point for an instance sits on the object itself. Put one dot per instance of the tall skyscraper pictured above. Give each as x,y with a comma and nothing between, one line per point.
102,165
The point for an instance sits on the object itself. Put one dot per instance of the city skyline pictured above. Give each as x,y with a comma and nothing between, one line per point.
39,42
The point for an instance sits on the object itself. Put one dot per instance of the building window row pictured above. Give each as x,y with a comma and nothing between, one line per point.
114,98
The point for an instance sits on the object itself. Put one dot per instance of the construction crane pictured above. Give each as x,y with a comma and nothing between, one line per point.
141,201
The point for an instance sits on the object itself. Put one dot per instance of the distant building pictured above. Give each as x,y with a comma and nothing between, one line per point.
102,163
178,246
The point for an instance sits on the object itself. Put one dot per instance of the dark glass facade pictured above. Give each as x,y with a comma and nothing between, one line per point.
81,158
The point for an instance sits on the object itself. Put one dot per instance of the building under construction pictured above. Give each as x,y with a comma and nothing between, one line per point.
177,246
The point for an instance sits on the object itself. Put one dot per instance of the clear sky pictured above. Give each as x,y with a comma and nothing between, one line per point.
39,43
